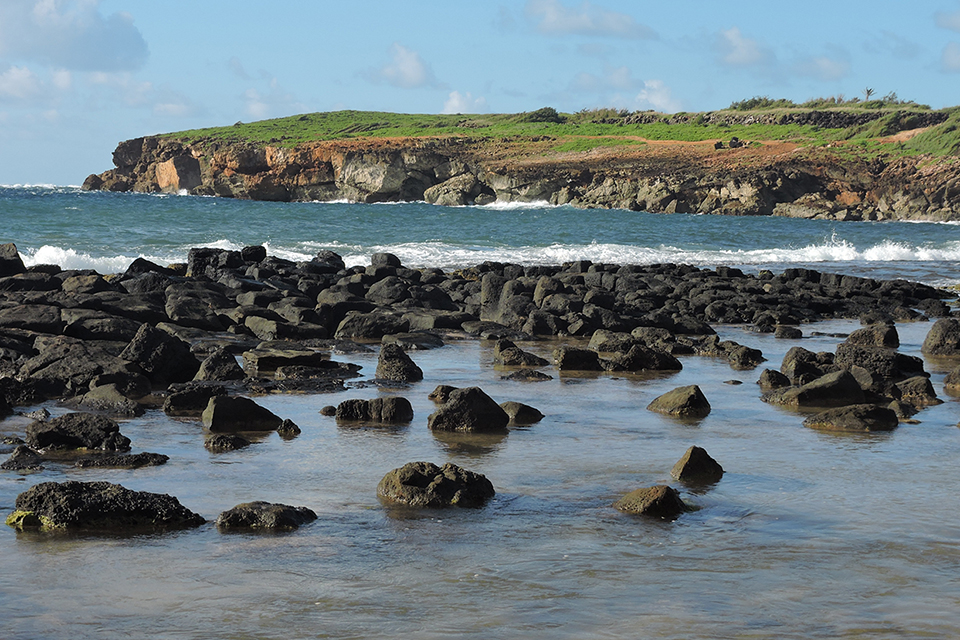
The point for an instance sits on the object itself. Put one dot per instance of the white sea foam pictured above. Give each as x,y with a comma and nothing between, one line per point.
515,206
71,259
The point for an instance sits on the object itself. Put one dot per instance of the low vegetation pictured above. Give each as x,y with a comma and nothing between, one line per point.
876,125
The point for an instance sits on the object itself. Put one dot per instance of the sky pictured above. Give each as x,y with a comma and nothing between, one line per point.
79,76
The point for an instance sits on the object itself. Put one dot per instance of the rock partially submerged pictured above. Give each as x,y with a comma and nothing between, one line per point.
77,431
389,410
123,461
98,506
424,484
396,366
264,515
854,418
229,414
220,442
469,410
659,501
23,458
521,414
697,467
683,402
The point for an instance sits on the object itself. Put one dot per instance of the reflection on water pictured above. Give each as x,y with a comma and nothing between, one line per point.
808,534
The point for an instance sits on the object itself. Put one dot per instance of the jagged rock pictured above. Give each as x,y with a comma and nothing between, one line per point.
220,365
683,402
10,262
659,501
77,431
469,410
786,332
943,339
885,363
441,394
835,389
395,365
66,366
771,379
23,458
642,358
229,414
267,358
521,414
424,484
126,461
918,391
743,358
162,357
225,442
507,354
528,375
190,399
696,466
98,506
575,359
390,410
951,383
856,418
370,325
612,341
288,429
801,366
265,515
876,335
415,341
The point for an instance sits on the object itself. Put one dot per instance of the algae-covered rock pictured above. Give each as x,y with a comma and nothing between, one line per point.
424,484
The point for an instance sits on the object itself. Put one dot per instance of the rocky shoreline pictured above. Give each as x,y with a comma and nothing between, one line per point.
169,338
772,179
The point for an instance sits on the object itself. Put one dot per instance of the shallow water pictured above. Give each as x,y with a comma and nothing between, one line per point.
808,534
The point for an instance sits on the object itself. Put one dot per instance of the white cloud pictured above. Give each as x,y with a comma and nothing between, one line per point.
658,96
406,70
464,103
554,18
823,68
948,20
19,83
70,34
950,59
737,50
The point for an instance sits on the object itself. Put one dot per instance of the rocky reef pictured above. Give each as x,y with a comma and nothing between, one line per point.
774,178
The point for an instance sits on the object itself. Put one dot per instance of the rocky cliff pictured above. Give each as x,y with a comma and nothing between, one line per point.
660,177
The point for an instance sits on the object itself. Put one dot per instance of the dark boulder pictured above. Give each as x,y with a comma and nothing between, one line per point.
696,466
190,399
771,379
507,354
162,357
441,394
395,365
229,414
416,341
521,414
951,383
77,431
683,402
390,410
220,365
854,418
109,400
802,366
10,262
642,358
787,332
744,358
660,501
835,389
469,410
880,334
225,442
66,366
569,358
528,375
370,325
265,515
98,506
123,461
23,458
268,357
424,484
943,339
884,363
918,391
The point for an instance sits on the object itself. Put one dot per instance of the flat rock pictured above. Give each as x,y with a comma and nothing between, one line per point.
424,484
854,418
835,389
124,461
265,515
416,341
98,506
267,359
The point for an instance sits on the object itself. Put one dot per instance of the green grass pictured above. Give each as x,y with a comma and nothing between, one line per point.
580,131
588,144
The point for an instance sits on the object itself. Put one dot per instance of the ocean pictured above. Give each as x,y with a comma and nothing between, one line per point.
808,534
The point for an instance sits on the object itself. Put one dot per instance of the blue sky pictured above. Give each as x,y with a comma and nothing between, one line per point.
78,76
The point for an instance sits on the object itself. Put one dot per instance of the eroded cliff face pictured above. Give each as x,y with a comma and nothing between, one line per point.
774,179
